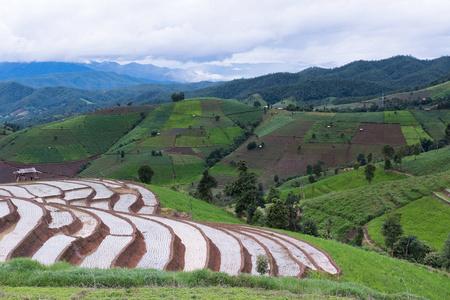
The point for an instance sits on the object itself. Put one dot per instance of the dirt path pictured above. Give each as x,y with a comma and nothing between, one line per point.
367,237
443,198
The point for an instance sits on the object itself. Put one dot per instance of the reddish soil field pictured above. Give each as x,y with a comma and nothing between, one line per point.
49,171
408,96
379,134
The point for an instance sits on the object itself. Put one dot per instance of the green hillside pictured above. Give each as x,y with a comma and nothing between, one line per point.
185,132
72,139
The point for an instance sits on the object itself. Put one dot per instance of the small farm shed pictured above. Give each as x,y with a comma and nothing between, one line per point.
27,174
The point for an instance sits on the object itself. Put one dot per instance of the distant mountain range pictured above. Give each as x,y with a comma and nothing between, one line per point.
357,79
39,92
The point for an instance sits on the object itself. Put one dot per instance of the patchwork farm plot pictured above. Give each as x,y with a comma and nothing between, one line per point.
129,233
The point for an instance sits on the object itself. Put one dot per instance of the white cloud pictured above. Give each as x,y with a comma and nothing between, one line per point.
189,34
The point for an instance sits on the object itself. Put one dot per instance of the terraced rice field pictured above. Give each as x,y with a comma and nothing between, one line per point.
99,223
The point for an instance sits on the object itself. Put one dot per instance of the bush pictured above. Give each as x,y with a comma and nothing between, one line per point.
433,259
262,264
251,145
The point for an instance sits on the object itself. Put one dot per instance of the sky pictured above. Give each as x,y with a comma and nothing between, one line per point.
223,39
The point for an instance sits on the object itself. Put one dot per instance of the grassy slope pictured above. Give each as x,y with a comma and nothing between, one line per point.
156,293
383,273
428,218
201,210
359,206
427,163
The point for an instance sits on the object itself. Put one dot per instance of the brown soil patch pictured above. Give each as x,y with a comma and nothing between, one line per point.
414,96
49,171
379,134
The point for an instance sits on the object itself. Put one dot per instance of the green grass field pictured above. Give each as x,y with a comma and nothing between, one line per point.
360,205
201,210
365,117
428,218
413,134
402,117
272,125
430,162
72,139
327,132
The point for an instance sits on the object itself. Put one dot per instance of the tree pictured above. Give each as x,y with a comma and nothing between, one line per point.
245,191
217,118
446,253
308,169
411,248
317,168
369,171
387,163
392,229
398,156
309,226
369,158
447,131
274,193
276,178
278,215
145,173
257,104
388,151
122,154
416,150
251,145
205,185
262,264
356,166
361,158
177,97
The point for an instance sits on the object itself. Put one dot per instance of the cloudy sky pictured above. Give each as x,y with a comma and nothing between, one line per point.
223,39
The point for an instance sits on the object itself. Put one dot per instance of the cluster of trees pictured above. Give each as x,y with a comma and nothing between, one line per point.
409,246
177,97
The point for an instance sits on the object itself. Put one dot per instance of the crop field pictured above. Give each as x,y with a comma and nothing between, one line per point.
428,218
107,238
296,128
272,125
434,121
313,116
211,108
379,134
158,141
327,132
73,139
404,118
430,162
363,117
359,207
413,134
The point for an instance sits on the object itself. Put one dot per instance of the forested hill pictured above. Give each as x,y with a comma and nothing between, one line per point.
359,78
30,106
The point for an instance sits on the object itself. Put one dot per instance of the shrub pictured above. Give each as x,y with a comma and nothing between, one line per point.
262,264
251,145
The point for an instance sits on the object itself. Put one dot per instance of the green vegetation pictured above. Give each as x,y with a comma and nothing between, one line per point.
162,293
402,117
329,132
383,273
358,206
413,134
28,275
417,218
76,138
201,211
430,162
272,125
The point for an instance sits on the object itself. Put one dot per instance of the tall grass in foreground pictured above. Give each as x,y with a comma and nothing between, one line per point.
24,272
